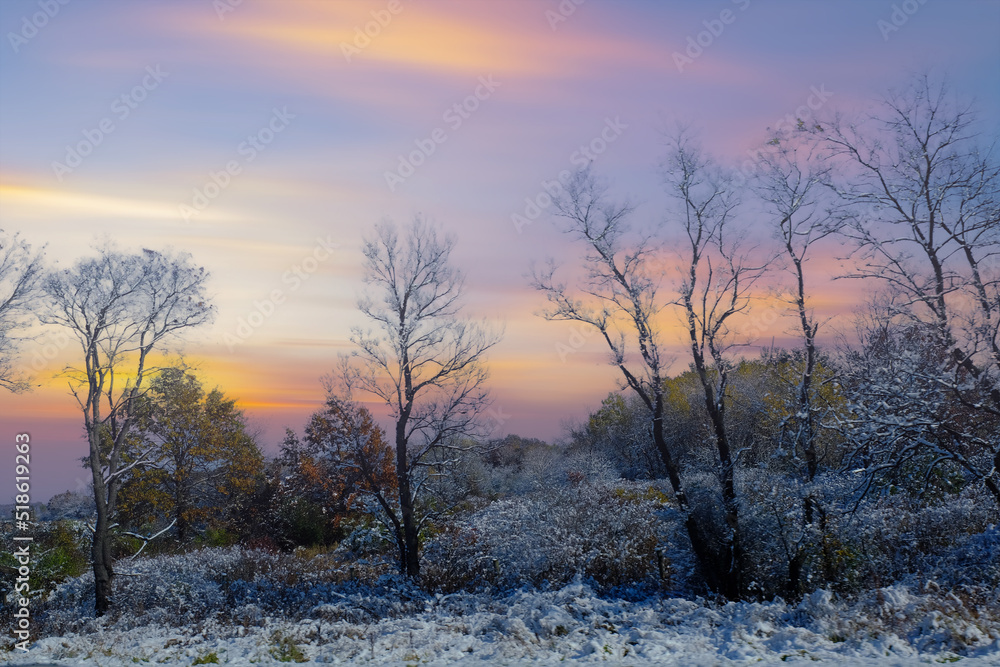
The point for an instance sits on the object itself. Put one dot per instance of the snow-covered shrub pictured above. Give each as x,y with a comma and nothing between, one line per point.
232,585
60,550
396,624
772,520
174,589
849,545
790,523
898,538
298,606
607,533
365,538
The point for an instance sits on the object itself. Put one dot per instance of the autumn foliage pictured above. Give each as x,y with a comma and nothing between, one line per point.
343,458
200,456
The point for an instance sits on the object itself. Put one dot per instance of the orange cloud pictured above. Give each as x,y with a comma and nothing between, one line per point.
40,202
309,41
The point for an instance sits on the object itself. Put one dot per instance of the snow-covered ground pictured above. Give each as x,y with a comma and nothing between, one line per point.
241,606
571,624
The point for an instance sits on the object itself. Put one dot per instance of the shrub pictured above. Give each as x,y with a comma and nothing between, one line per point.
606,533
60,551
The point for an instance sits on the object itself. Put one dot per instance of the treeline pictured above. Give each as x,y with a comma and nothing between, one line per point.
517,511
839,467
913,194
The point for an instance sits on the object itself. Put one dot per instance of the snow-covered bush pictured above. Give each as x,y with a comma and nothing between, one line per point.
898,538
396,624
852,544
232,585
607,533
365,538
60,550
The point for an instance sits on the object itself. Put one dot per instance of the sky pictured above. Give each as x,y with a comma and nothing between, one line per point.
267,137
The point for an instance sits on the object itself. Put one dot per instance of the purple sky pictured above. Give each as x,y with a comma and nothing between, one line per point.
300,121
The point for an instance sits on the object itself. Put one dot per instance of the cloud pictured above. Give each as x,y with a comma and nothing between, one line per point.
314,46
32,202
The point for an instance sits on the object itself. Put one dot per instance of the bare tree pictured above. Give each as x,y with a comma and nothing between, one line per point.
422,360
623,300
792,186
620,298
20,278
720,274
120,307
925,191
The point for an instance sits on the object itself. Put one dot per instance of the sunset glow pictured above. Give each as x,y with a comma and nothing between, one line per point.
259,138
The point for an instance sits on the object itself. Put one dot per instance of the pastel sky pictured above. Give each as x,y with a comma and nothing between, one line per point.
114,117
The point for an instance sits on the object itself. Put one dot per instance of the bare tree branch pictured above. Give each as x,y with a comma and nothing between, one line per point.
20,289
120,307
422,359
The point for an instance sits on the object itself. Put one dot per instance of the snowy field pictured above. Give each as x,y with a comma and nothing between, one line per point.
234,610
569,625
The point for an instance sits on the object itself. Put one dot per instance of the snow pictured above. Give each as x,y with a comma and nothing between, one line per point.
394,623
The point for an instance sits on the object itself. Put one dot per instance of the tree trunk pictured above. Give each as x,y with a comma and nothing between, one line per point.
673,474
100,551
103,572
409,558
806,436
729,557
990,481
732,549
182,524
793,588
794,584
181,511
713,563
